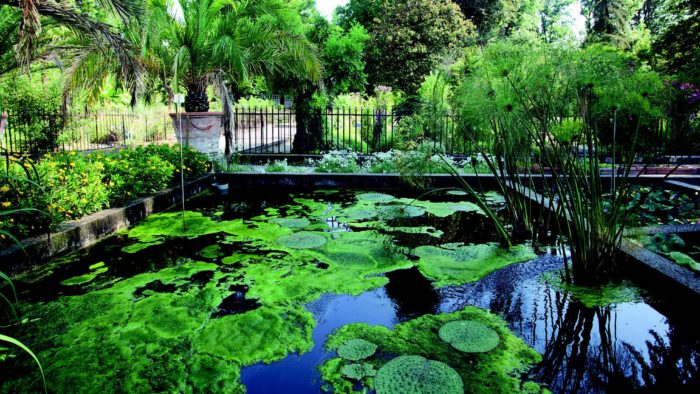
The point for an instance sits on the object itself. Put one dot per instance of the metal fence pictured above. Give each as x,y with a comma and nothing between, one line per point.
47,132
365,131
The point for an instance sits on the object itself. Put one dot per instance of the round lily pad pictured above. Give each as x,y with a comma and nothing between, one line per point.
302,240
415,374
292,222
358,371
375,197
469,336
400,211
356,349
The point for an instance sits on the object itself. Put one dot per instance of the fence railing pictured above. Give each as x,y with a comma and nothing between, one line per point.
49,131
365,131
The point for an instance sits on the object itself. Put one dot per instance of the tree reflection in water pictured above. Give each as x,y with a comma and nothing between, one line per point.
620,348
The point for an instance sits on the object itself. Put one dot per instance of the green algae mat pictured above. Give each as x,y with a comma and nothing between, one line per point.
238,298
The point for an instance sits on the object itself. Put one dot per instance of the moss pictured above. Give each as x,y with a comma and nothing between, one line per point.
459,264
498,371
358,371
469,336
595,296
415,374
302,240
356,349
266,334
211,252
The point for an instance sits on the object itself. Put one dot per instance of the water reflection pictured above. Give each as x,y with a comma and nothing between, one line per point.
628,347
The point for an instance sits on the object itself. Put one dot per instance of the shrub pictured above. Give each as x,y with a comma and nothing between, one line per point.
73,186
278,166
195,163
133,173
338,162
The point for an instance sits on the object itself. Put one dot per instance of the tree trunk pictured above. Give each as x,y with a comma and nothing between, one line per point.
197,99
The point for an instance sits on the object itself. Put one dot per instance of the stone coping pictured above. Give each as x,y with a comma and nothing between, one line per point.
77,234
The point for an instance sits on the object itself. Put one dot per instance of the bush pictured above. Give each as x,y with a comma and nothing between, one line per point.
73,186
338,162
278,166
195,163
70,185
134,173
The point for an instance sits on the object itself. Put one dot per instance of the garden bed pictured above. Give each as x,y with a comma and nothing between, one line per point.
76,234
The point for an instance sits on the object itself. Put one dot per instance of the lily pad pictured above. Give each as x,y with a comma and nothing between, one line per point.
400,211
375,197
683,259
358,371
469,336
356,349
415,374
292,222
302,240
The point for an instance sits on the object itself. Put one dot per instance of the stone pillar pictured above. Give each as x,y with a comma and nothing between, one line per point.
203,131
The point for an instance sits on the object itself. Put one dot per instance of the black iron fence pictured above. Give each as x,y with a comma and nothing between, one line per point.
361,130
47,132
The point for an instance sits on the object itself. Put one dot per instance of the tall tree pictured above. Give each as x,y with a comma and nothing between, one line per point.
551,19
409,39
343,60
609,20
677,44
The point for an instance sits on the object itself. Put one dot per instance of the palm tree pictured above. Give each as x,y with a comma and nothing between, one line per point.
225,42
28,16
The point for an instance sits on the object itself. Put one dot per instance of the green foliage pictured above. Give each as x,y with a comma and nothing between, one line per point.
498,371
74,186
343,59
338,162
416,35
459,264
596,296
358,371
278,166
25,99
67,186
133,173
469,336
655,205
416,374
302,240
356,349
215,41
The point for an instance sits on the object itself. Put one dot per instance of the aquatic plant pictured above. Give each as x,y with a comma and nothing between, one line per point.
375,197
415,374
596,296
469,336
356,349
358,371
457,263
302,240
292,222
501,370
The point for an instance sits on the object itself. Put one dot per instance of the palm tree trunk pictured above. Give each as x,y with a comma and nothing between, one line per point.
197,99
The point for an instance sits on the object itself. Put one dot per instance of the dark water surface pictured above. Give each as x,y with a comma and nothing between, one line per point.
647,344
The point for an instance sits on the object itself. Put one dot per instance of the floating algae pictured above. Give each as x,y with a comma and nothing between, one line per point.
458,264
497,371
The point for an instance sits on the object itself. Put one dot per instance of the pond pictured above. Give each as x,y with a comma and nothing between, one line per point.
340,291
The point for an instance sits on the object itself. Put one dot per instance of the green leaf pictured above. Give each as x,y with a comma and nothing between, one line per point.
19,344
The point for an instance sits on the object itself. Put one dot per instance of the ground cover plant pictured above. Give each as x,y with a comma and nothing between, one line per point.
250,276
69,185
